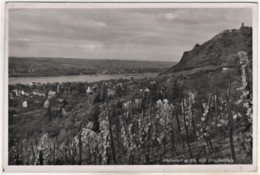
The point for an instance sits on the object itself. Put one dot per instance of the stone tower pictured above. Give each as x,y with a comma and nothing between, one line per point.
242,26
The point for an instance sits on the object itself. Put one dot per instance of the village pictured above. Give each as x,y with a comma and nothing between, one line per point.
55,98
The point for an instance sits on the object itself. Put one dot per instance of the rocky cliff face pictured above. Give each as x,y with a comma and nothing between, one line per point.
221,50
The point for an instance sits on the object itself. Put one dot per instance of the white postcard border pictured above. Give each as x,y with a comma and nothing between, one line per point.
132,168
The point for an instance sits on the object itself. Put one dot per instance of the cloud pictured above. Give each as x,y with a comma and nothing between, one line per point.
97,24
148,34
170,16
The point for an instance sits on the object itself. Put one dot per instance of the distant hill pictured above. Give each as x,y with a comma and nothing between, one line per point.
221,50
19,66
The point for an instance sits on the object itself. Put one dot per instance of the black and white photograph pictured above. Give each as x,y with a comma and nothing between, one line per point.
104,84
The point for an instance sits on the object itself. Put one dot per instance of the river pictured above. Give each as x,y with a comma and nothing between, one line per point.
77,78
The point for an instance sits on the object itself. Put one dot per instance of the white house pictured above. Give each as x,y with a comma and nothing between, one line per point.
46,104
33,83
159,102
51,94
147,90
89,90
25,104
165,101
224,68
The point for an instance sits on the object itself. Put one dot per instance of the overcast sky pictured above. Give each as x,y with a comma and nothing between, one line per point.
135,34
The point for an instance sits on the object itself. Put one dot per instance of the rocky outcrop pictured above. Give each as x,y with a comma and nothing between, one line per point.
221,50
